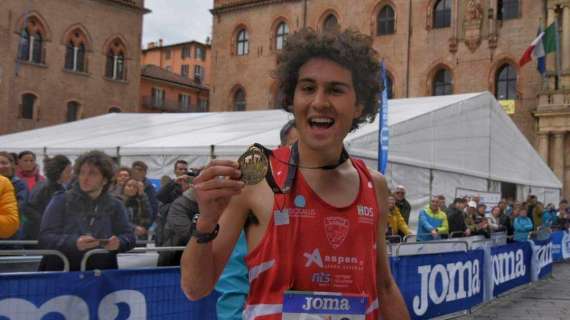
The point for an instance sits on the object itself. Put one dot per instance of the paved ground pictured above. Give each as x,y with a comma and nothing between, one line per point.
544,300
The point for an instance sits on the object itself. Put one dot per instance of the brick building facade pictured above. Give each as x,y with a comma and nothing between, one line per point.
175,77
67,59
429,47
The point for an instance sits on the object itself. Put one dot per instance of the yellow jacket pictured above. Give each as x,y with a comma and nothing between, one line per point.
9,221
396,222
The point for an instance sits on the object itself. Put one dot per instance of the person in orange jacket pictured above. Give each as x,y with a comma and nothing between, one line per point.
9,221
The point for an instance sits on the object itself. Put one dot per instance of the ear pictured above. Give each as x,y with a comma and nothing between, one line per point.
358,111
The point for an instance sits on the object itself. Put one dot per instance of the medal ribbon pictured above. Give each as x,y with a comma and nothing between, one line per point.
293,164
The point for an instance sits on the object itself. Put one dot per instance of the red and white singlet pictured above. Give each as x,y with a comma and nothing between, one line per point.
310,245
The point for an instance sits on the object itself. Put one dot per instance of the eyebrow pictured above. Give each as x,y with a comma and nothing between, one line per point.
331,83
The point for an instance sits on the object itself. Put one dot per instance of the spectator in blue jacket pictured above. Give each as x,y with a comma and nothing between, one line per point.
86,217
549,217
432,223
522,225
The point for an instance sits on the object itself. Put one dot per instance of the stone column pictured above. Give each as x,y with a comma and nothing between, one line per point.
543,145
557,163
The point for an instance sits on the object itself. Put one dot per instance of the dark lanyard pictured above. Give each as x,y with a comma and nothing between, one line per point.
293,164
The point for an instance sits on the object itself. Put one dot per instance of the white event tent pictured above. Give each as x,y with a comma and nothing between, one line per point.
437,144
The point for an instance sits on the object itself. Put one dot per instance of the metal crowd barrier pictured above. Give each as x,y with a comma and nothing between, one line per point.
93,252
37,252
18,243
397,238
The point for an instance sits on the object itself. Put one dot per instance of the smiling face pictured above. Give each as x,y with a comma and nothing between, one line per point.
324,104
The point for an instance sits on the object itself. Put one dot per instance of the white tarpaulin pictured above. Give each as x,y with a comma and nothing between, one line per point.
436,143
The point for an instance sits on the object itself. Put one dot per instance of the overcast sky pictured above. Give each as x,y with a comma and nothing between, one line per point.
177,21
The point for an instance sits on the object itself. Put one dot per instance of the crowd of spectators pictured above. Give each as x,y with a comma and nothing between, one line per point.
92,203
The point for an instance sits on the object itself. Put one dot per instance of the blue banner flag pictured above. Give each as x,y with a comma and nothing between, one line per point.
383,132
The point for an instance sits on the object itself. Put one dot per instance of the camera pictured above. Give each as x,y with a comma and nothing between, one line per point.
193,172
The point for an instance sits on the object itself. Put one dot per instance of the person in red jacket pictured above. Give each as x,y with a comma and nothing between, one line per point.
28,170
324,230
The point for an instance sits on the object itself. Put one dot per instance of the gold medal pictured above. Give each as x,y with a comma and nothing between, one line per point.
253,165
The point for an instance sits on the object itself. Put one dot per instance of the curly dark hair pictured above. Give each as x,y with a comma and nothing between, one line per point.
100,160
53,167
350,49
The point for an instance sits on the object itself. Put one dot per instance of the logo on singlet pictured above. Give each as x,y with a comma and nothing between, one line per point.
336,229
314,257
300,201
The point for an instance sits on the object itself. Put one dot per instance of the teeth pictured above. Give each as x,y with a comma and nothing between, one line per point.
322,120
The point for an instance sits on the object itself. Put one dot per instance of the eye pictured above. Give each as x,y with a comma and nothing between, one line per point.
307,88
337,90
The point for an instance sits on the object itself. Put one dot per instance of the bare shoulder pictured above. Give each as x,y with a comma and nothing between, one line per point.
379,181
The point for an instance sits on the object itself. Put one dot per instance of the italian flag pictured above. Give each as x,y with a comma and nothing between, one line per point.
543,44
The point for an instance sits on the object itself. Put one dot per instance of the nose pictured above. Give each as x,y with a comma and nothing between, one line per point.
320,99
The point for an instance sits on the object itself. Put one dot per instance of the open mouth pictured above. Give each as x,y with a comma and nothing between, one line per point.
321,123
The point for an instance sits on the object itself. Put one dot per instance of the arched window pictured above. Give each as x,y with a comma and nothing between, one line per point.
239,100
281,35
75,52
28,106
442,83
442,14
72,111
506,83
508,9
31,47
385,21
330,23
242,43
115,66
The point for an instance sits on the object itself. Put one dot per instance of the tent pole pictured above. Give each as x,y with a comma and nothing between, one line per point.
212,154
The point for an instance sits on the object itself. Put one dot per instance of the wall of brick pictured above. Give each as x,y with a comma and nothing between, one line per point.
103,21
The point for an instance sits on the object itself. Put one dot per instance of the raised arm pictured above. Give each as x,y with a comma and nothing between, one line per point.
392,305
220,201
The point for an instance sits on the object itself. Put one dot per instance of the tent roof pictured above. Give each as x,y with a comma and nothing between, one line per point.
468,133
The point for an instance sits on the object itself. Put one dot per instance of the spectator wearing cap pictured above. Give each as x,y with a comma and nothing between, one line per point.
402,203
58,173
432,223
475,222
456,218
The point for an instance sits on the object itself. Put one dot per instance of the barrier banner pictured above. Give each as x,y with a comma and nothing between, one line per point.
560,245
111,294
542,258
511,266
438,284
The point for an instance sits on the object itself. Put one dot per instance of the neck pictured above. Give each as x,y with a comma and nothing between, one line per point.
312,158
94,194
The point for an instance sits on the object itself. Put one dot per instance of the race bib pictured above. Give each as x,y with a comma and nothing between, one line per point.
301,305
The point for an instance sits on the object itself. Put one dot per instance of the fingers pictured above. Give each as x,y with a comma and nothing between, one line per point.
219,184
219,162
218,171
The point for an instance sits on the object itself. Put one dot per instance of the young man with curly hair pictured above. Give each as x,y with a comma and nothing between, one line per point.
86,217
326,232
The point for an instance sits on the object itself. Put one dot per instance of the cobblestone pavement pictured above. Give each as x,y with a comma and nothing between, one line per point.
548,299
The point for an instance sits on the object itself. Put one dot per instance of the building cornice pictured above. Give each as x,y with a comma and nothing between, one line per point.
245,4
131,4
181,44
